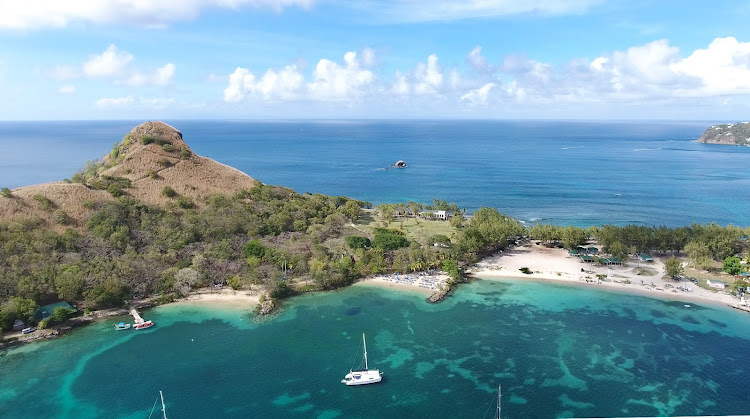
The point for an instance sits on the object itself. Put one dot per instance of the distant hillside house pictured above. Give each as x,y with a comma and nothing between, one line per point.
435,215
716,284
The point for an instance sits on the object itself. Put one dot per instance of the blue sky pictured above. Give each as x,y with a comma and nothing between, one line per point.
279,59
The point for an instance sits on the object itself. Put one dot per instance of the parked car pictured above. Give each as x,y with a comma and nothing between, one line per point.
28,330
695,281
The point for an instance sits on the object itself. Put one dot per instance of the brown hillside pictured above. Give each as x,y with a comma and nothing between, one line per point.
153,155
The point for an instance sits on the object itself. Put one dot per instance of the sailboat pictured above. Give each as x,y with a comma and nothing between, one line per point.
499,397
366,376
163,407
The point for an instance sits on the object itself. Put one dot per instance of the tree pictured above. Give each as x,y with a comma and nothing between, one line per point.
673,267
254,248
60,314
357,242
69,283
388,239
351,210
699,253
732,265
185,279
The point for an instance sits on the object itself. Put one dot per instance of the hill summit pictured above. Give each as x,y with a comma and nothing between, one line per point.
152,164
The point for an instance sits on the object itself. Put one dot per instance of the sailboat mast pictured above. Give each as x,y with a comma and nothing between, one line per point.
364,343
163,408
499,396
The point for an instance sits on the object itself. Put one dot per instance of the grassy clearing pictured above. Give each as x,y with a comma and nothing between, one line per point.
414,228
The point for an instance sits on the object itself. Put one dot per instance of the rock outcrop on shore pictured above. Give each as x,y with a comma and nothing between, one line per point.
728,134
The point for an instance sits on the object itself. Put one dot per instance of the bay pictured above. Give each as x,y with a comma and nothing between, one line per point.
557,351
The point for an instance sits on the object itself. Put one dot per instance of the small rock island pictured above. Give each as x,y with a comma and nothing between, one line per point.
731,134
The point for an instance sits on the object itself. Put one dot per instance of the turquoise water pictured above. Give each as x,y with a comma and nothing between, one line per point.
559,172
557,351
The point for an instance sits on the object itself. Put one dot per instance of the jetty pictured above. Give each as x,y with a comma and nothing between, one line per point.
137,319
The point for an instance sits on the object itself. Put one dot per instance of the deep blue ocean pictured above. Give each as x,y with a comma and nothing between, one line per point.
559,172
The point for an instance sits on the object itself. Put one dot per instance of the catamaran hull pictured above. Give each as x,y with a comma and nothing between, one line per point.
362,377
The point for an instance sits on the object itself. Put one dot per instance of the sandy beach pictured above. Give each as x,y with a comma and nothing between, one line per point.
553,264
224,297
420,282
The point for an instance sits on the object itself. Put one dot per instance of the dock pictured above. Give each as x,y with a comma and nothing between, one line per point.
136,317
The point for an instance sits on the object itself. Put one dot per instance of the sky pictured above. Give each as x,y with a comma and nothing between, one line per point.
370,59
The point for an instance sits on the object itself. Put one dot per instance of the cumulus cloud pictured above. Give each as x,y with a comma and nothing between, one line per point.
334,81
655,72
283,84
24,15
109,63
330,81
67,89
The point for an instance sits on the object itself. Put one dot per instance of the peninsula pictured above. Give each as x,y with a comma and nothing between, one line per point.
729,134
152,223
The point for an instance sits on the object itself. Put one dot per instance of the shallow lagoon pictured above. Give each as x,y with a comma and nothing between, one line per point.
557,351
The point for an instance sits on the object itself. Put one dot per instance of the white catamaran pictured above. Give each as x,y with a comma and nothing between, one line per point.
366,376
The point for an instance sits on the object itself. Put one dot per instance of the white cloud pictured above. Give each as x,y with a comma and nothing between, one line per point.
162,76
67,89
107,64
24,15
478,96
281,84
106,102
330,81
333,81
428,77
477,61
130,101
64,72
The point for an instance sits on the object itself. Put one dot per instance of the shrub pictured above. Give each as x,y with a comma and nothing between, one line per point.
6,192
526,270
60,314
389,239
168,192
89,204
152,174
185,202
44,323
163,162
60,217
254,248
147,139
44,202
128,171
168,148
357,242
184,153
235,282
115,189
732,265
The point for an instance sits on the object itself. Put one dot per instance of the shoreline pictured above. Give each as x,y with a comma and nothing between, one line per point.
422,283
559,268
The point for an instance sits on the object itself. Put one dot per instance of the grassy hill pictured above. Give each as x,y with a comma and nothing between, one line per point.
152,164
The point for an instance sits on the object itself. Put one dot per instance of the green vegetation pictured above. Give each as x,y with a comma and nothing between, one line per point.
389,239
357,242
161,161
526,270
152,174
60,217
168,192
673,267
43,202
168,148
6,193
732,265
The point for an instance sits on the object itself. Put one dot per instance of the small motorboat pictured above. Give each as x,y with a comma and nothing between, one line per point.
122,326
399,164
687,305
144,325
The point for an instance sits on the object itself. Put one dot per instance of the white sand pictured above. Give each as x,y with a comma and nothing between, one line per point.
224,297
417,281
556,265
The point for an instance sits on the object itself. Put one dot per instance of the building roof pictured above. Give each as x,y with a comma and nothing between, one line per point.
587,258
46,311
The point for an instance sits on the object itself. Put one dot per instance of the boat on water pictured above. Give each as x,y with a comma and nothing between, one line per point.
143,325
163,406
122,326
366,376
